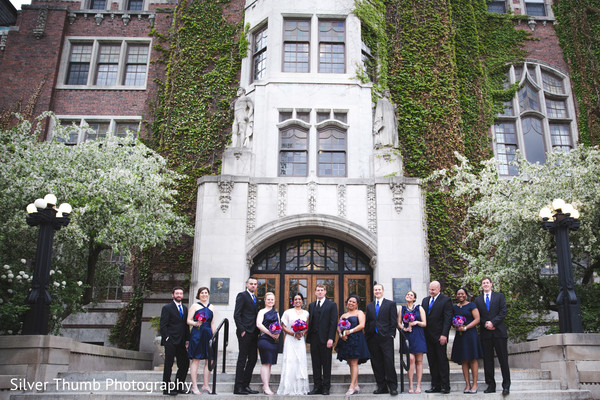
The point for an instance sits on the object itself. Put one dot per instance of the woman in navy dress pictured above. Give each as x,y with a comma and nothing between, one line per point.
268,345
412,321
352,346
467,348
201,318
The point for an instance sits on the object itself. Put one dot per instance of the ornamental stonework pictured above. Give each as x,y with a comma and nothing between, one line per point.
341,200
371,209
397,195
251,218
40,24
281,200
225,188
312,197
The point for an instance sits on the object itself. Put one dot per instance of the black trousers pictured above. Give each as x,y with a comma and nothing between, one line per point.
500,345
439,367
178,351
382,361
321,362
246,359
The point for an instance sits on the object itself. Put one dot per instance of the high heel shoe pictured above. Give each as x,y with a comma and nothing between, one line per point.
267,391
196,391
350,392
357,390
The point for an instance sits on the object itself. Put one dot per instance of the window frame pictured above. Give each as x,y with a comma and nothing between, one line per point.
83,135
92,73
332,43
284,42
128,5
336,127
262,52
293,123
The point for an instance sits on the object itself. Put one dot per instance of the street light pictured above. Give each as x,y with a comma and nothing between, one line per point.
559,218
43,212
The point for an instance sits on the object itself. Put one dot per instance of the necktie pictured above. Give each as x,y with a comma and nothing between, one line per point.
180,311
430,304
487,301
254,300
319,304
377,308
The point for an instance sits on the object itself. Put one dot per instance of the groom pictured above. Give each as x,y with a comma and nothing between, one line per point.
322,325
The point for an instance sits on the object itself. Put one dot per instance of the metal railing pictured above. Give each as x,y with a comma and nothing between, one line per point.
404,364
213,346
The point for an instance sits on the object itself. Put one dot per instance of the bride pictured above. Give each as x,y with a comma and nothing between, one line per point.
294,370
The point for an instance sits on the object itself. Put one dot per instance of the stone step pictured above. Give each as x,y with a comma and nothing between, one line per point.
521,395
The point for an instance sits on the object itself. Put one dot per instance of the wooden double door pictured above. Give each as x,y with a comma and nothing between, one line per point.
338,288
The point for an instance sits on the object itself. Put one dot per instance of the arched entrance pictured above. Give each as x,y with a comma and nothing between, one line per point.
299,263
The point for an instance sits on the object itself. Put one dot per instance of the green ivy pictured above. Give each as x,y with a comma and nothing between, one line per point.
578,30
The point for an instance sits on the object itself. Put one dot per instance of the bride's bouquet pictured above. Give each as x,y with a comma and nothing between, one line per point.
299,325
344,324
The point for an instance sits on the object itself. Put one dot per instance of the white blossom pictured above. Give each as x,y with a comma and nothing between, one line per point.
23,261
51,272
10,291
56,284
6,267
10,276
79,283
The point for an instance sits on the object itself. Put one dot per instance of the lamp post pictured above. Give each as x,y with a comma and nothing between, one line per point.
559,218
43,212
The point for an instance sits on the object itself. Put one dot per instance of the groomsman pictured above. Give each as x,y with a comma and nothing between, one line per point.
382,320
175,336
322,326
244,315
439,317
493,333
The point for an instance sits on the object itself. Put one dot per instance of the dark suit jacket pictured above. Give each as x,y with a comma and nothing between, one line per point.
386,322
173,328
440,317
327,327
245,313
496,314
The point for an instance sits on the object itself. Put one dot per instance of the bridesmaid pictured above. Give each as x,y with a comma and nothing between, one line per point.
201,318
467,347
412,320
268,345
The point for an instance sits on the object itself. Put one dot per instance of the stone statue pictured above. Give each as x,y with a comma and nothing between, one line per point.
385,125
243,122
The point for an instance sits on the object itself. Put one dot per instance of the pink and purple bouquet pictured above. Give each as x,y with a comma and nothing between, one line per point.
275,328
408,317
344,324
200,316
299,325
458,321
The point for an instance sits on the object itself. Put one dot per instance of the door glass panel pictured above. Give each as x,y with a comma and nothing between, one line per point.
297,285
329,286
266,284
358,286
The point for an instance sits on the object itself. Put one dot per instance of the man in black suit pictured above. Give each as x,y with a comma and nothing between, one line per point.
244,316
382,322
439,317
493,333
175,336
322,326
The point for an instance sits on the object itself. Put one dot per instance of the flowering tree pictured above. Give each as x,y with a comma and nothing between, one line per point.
505,240
121,192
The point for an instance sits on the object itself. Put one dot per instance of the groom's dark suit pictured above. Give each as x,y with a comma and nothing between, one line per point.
174,333
322,326
380,332
438,324
244,316
494,339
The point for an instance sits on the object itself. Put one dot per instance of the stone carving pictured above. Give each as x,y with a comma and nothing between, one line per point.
3,39
281,200
249,262
371,209
225,188
341,197
312,197
40,24
373,262
243,123
385,124
397,192
72,17
251,217
99,18
125,18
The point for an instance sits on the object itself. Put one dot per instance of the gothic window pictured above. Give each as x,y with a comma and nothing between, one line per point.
331,47
368,62
92,129
97,4
497,6
293,154
332,151
296,45
539,119
135,5
259,54
111,64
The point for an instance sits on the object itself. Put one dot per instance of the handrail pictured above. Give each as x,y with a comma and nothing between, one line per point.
403,364
213,347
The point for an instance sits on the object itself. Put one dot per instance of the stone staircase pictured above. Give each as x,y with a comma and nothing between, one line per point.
113,385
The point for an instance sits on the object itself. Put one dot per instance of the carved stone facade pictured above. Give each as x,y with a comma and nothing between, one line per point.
225,188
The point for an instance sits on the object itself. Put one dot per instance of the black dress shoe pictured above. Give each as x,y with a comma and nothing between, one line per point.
380,390
182,391
393,392
446,390
490,390
325,392
250,391
316,391
433,390
169,393
239,390
505,391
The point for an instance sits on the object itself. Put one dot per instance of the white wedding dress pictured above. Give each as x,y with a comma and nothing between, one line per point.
294,369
